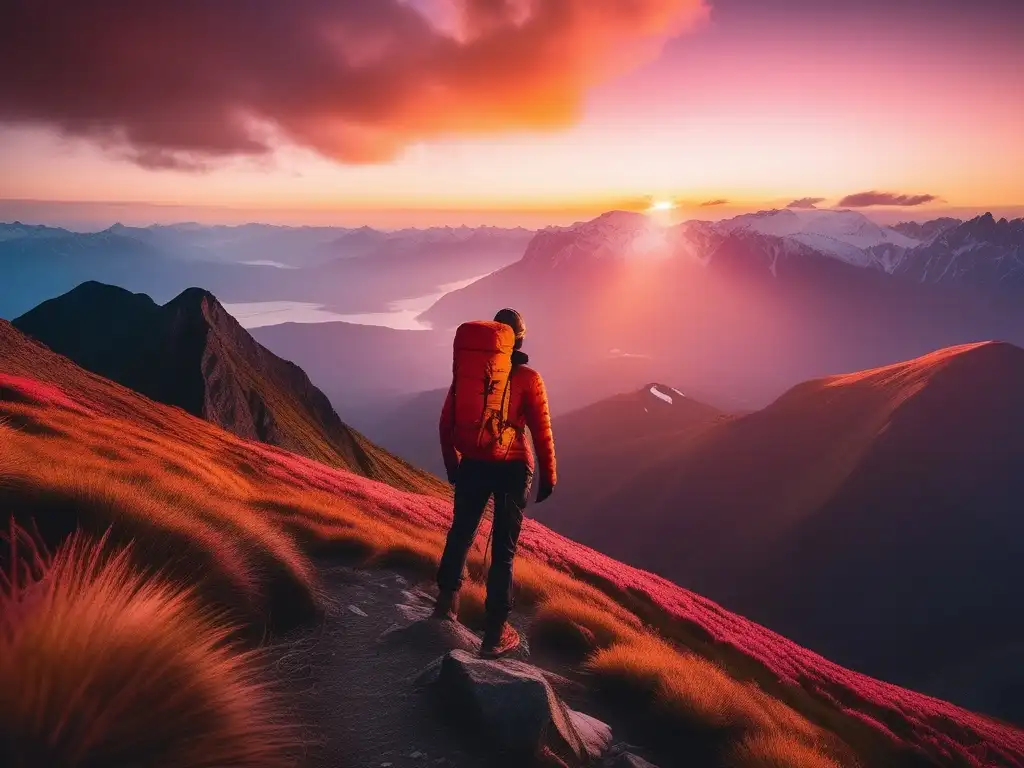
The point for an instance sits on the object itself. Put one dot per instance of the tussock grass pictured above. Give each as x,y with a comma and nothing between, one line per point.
692,693
776,750
472,612
688,689
101,665
570,623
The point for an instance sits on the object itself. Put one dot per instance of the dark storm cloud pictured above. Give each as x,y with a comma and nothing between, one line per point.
710,203
180,82
865,199
806,202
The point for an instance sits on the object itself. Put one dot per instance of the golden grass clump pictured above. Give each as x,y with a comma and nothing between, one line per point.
472,611
698,695
686,688
102,665
569,622
777,750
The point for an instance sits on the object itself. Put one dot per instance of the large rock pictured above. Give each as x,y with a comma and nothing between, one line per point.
516,705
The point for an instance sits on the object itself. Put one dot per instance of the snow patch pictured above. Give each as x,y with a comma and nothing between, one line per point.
678,392
661,395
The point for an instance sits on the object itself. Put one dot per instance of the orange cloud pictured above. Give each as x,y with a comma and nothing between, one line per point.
183,83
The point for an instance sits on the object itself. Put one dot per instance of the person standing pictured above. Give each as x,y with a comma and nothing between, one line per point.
494,398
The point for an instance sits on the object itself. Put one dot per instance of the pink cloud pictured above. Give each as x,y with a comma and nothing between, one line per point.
806,202
866,199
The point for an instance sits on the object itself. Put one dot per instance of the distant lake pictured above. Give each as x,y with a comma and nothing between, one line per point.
400,315
267,263
260,313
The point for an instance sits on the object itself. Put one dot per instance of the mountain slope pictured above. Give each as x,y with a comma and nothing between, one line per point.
364,369
73,445
409,429
192,354
872,516
602,447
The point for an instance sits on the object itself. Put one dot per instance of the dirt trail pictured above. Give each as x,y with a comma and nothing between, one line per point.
356,695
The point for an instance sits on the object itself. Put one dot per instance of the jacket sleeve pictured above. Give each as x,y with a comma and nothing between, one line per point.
446,430
538,419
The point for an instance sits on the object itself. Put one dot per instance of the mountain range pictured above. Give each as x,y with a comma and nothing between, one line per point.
192,354
747,307
349,270
872,516
80,449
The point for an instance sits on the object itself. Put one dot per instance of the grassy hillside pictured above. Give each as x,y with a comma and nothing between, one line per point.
240,521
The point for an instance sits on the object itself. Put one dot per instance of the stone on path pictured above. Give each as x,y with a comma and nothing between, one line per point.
432,637
519,709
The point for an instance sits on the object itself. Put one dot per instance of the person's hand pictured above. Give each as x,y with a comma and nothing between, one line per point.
453,475
546,489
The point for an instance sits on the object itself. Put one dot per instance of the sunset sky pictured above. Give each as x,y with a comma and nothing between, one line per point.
400,112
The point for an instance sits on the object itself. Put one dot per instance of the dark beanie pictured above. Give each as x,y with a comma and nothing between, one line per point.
512,318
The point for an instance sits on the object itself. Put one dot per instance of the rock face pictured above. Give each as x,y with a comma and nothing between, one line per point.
520,711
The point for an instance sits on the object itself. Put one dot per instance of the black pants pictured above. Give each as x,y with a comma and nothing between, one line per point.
509,483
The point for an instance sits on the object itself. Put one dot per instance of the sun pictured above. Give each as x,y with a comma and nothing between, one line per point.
662,205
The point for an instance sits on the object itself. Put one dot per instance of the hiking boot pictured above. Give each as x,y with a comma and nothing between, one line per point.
446,607
499,641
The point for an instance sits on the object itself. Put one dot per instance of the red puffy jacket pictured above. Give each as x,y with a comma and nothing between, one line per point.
528,407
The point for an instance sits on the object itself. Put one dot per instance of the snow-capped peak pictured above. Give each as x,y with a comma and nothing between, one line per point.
843,234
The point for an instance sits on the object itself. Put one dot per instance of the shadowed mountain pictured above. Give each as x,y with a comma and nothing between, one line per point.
874,516
367,371
192,354
410,429
604,446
